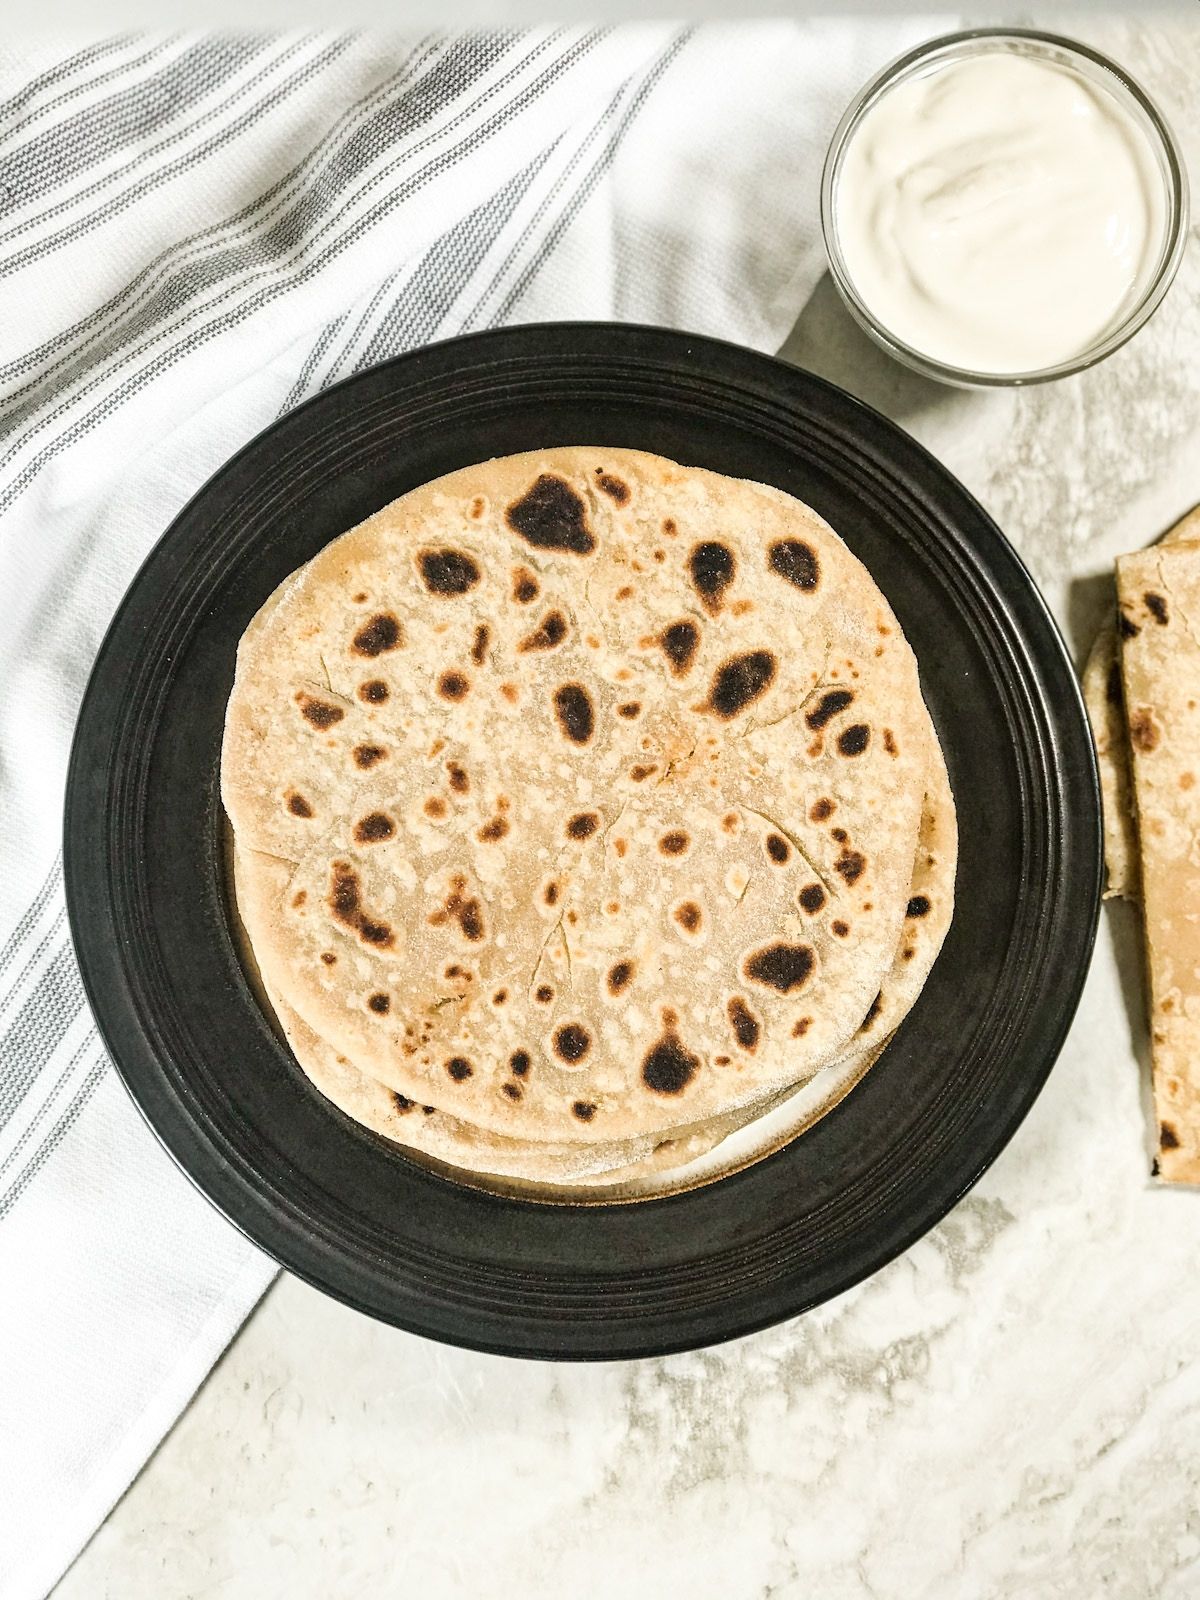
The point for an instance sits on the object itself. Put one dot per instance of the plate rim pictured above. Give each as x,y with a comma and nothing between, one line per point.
185,1136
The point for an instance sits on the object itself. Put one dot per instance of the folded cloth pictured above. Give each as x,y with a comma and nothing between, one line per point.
196,233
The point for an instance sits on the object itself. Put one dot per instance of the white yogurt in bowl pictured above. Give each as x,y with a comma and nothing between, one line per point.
1002,208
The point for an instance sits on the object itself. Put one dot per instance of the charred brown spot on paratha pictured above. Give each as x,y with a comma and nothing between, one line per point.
854,740
344,898
629,709
679,644
584,1110
479,647
669,1066
1156,605
828,706
380,1003
918,906
731,822
689,916
551,892
889,742
551,516
1144,732
780,966
778,848
573,708
453,685
839,834
382,633
447,571
299,898
674,842
840,928
872,1013
374,691
493,830
500,997
462,908
459,1068
298,805
669,527
800,1027
746,1026
544,994
615,488
822,810
510,692
1168,1139
811,898
518,1063
435,807
1126,626
374,828
851,864
367,756
620,976
345,902
640,773
572,1042
525,587
360,598
512,1091
797,562
477,508
458,778
712,566
319,713
403,1104
738,682
328,957
583,824
548,635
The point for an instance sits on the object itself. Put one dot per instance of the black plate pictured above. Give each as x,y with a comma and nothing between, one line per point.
354,1216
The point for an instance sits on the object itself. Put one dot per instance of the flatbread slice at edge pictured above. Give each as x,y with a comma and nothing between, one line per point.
1159,595
1104,700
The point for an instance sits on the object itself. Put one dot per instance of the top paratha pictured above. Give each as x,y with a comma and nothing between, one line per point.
588,759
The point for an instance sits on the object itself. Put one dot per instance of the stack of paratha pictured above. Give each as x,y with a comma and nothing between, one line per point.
586,810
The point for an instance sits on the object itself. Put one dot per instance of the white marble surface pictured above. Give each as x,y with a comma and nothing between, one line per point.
1010,1411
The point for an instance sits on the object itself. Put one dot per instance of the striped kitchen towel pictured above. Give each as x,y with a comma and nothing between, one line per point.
196,233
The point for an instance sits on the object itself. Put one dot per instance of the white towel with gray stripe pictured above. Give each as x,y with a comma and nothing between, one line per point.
194,235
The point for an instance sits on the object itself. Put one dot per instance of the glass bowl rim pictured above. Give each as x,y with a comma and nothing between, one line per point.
1175,228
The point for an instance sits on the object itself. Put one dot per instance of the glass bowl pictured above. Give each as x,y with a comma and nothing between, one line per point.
1096,70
